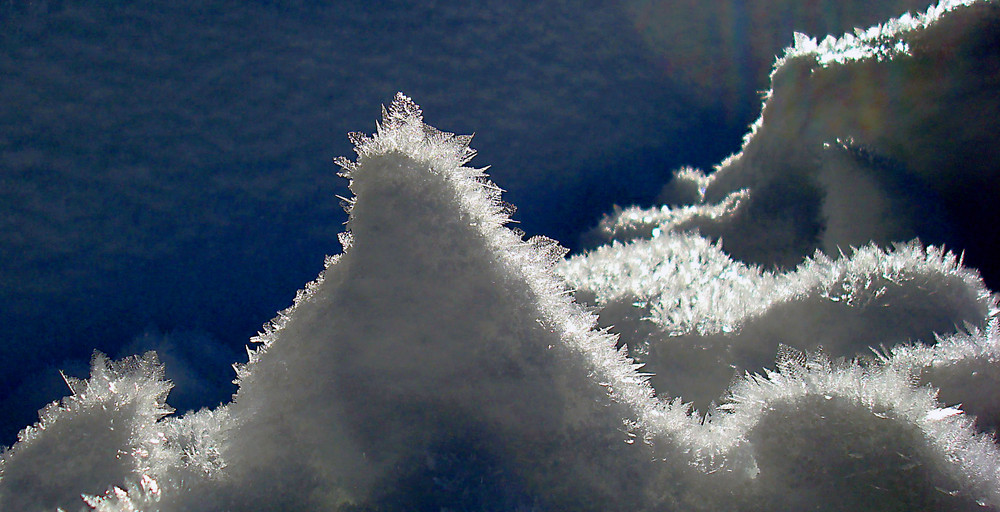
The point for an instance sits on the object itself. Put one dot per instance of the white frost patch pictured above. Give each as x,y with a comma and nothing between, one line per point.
105,432
879,42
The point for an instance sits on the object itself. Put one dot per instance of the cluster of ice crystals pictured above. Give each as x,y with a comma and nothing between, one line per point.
141,497
880,42
106,432
626,224
683,283
438,308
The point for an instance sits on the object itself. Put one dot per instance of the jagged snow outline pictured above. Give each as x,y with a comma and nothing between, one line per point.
691,286
882,390
886,391
402,130
863,44
882,41
624,224
132,382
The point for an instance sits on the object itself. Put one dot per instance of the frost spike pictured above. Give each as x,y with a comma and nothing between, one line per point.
477,338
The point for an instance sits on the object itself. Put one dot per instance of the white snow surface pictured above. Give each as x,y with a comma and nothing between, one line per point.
880,136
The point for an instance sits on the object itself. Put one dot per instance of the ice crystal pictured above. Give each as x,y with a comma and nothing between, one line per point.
879,42
106,431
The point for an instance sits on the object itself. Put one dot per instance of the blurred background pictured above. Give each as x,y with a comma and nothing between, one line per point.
165,167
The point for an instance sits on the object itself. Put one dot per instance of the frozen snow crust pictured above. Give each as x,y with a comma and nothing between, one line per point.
442,362
689,311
